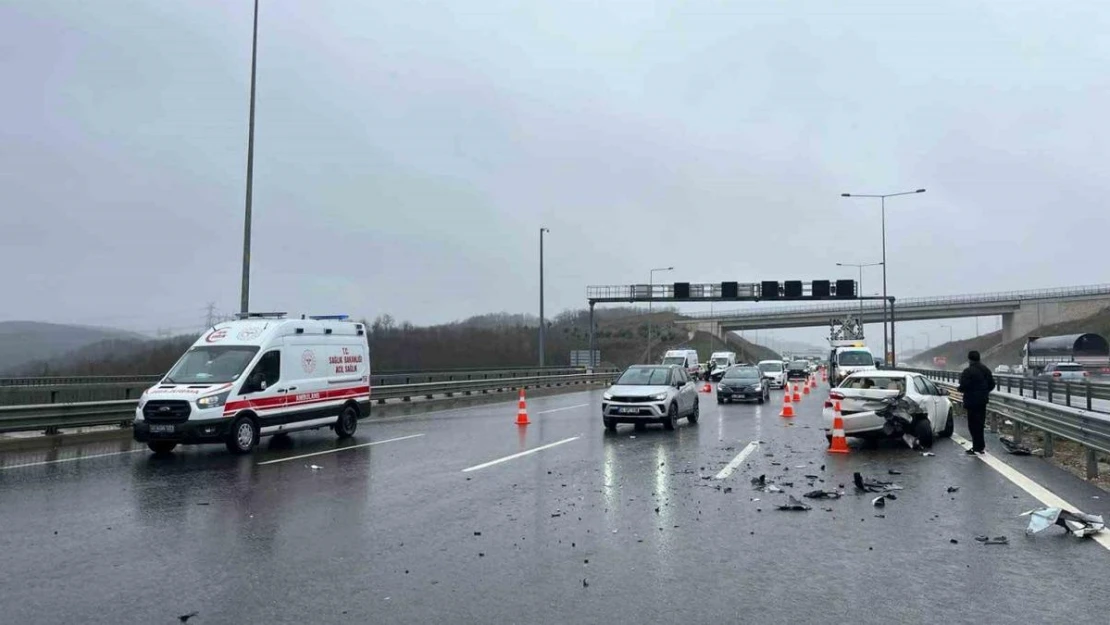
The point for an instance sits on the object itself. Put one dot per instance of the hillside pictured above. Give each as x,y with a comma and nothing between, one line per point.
23,342
499,340
996,353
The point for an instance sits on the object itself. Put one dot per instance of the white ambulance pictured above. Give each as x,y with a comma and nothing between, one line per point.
262,374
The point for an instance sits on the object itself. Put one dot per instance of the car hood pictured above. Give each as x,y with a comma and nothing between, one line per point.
741,382
625,389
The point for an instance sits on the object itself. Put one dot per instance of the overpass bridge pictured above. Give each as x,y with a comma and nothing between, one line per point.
1021,311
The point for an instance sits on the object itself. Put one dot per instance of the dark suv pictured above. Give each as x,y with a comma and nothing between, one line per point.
797,370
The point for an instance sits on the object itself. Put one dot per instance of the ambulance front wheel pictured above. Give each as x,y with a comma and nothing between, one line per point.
348,422
243,436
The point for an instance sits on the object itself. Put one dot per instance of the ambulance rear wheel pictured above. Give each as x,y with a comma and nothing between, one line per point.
348,422
161,447
243,436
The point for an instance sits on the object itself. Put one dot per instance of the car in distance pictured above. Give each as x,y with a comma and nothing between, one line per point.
1003,369
861,393
650,394
774,372
797,370
743,382
1065,372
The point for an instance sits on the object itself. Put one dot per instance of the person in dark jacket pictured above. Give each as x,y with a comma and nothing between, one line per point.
976,384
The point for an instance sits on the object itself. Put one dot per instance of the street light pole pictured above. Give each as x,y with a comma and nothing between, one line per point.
244,294
543,331
882,198
949,332
651,296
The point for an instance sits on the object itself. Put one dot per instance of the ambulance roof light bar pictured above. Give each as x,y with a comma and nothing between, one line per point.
330,317
261,315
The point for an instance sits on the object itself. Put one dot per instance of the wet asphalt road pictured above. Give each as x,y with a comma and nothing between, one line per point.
625,528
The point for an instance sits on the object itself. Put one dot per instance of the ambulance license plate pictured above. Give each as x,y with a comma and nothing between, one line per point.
161,429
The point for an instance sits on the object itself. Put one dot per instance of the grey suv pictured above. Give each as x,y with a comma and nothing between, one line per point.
650,394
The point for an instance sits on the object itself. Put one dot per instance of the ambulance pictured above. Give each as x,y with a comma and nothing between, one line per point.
259,375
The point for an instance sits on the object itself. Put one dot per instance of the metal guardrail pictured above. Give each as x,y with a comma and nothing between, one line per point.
1089,429
51,417
913,302
75,389
1083,395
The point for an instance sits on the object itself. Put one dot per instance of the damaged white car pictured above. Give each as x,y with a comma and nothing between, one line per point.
890,404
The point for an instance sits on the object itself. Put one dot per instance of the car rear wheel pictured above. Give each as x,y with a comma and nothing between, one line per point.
161,447
949,426
609,424
693,418
348,422
671,420
923,430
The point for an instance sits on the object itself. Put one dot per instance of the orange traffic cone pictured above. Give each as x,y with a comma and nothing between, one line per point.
805,387
797,394
787,407
839,444
708,388
522,410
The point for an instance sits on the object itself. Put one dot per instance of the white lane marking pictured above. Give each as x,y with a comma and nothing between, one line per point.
332,451
562,409
39,464
521,454
740,457
1042,494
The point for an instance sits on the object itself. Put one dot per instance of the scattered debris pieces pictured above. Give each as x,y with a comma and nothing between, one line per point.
184,618
315,467
997,540
823,494
1076,523
872,485
813,477
953,541
477,533
728,489
1013,447
893,472
879,501
953,489
585,584
794,504
928,454
880,516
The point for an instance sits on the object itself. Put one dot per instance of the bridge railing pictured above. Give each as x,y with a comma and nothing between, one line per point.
1089,395
52,417
912,302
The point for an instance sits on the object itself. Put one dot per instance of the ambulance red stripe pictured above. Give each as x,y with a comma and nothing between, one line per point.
294,400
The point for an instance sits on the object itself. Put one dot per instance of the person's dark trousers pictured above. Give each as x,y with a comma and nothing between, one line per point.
976,420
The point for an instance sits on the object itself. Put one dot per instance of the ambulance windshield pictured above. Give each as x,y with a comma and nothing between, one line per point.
211,365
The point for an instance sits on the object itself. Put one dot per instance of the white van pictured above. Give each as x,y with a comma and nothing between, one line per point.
845,361
685,358
721,362
260,375
774,371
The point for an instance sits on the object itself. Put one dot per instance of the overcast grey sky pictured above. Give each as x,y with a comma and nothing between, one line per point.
407,153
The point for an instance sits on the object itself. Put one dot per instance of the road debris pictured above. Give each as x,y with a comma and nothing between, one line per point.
872,485
953,489
794,504
893,472
953,541
315,467
1014,448
928,454
1078,524
823,494
997,540
184,618
879,501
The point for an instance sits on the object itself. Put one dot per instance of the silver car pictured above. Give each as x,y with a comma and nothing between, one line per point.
1065,372
650,394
